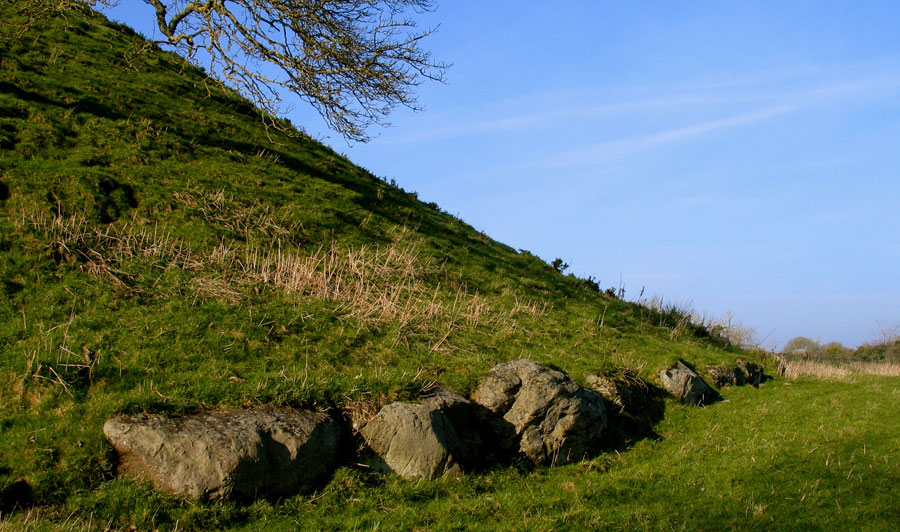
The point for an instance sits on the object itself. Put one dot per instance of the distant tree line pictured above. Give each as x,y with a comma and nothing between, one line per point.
886,349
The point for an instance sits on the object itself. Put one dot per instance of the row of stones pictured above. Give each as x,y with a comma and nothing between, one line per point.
518,409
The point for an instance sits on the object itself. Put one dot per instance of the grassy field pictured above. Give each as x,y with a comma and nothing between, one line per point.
161,251
803,455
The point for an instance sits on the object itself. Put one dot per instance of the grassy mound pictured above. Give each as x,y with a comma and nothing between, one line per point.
161,250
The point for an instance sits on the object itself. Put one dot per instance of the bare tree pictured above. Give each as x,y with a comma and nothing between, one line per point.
354,61
888,332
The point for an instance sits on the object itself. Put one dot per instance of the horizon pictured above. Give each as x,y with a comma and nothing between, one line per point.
734,157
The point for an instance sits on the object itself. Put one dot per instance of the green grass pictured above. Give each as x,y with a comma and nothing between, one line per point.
161,251
812,455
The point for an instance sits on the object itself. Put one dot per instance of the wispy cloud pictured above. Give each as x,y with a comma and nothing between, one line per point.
463,124
769,98
608,150
783,103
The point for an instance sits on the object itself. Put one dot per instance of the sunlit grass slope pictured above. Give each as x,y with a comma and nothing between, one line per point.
812,455
163,251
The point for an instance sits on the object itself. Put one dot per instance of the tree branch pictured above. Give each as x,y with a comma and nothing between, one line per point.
354,61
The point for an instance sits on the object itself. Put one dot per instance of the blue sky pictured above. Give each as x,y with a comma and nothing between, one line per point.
738,156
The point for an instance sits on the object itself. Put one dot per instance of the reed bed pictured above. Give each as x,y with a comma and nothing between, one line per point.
795,369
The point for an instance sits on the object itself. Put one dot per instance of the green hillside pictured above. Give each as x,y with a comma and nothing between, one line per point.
151,218
162,251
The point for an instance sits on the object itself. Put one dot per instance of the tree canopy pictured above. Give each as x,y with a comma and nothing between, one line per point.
354,61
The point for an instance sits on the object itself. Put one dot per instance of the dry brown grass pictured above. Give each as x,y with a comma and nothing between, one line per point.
795,369
393,285
255,218
886,369
375,285
75,240
38,520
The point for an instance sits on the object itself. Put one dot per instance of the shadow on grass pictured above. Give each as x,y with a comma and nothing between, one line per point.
85,104
14,494
633,416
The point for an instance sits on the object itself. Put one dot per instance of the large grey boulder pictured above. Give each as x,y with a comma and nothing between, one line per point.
686,385
541,413
421,440
227,455
462,414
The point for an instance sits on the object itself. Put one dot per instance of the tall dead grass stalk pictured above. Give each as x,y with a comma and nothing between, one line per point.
810,368
391,285
795,369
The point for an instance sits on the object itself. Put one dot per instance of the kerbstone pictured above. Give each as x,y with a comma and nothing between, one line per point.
424,440
227,455
686,385
541,413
